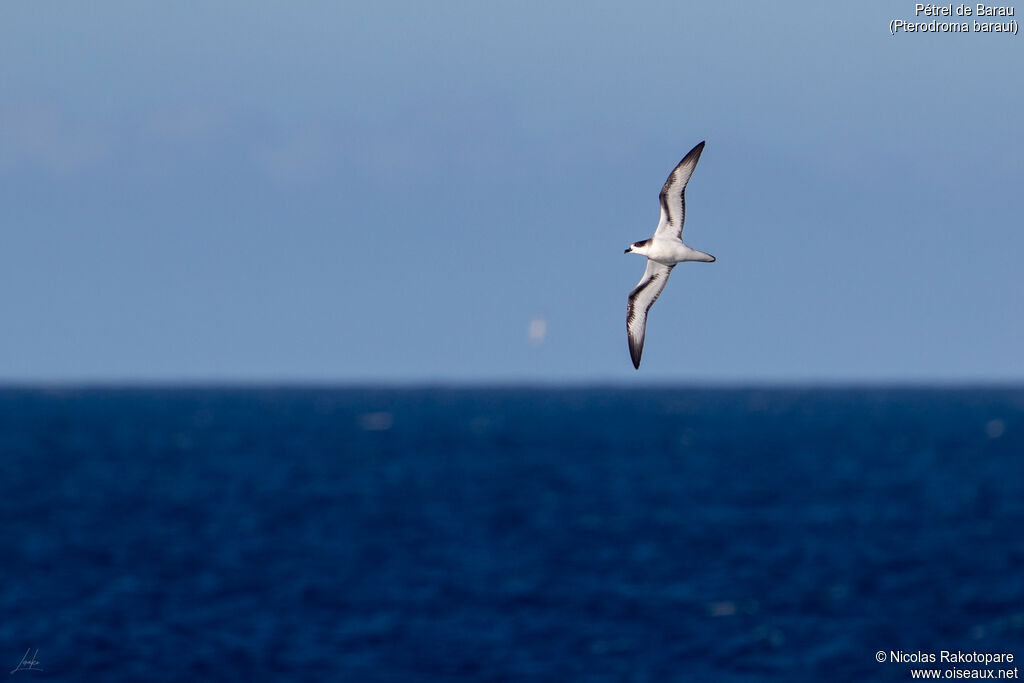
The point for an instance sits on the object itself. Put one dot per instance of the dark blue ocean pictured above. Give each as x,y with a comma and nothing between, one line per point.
507,534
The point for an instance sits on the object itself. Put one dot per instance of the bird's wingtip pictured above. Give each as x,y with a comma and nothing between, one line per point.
695,152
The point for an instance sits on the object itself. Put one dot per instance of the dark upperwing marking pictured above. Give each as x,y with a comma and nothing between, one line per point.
671,180
664,201
636,292
640,288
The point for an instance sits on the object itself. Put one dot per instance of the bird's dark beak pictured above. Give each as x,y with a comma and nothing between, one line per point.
628,250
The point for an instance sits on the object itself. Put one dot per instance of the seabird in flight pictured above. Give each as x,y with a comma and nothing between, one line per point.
663,252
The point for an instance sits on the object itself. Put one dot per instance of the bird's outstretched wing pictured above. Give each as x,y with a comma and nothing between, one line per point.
673,201
640,301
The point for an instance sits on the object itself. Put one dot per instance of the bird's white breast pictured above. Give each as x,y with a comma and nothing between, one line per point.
668,252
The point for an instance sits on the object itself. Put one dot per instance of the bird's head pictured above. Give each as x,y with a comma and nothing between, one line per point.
637,247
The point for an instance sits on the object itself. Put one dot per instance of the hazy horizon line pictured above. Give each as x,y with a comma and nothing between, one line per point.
298,383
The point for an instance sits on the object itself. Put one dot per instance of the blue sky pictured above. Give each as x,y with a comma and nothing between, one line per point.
393,191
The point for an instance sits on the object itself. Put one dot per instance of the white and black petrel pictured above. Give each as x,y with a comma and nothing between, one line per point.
663,252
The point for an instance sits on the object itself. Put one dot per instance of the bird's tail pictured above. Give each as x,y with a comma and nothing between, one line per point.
700,256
